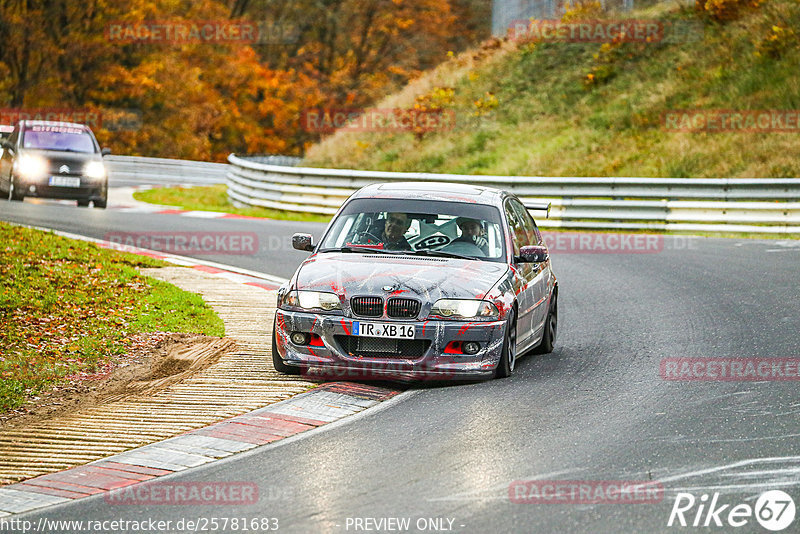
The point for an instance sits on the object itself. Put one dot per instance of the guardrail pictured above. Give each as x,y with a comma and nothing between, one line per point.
164,170
736,205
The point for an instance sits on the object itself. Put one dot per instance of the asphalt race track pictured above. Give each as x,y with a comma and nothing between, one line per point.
596,409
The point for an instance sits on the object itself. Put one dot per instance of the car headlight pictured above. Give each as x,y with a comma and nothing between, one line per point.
95,170
311,300
30,166
464,309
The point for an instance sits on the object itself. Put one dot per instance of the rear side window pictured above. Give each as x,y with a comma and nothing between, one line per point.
59,138
532,235
516,229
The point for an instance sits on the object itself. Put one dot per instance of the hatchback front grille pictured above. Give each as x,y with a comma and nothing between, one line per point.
367,306
403,308
375,347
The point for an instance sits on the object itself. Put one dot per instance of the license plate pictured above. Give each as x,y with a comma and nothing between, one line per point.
385,330
65,181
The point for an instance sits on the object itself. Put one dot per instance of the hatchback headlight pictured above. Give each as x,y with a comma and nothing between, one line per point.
30,166
95,170
311,300
464,309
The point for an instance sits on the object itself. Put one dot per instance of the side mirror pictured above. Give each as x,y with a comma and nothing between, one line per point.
105,151
303,242
533,254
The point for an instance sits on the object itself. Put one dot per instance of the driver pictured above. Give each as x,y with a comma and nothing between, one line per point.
396,225
472,232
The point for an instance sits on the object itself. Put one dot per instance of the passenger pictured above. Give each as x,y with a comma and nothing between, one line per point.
472,232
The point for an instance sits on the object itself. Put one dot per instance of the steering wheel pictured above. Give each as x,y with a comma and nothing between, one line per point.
369,234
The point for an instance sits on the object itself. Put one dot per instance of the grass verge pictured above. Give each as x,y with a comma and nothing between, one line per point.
68,308
215,198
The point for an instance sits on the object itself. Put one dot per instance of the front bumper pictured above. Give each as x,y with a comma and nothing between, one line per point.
336,353
90,189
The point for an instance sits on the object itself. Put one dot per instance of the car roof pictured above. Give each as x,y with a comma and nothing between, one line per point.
442,191
33,122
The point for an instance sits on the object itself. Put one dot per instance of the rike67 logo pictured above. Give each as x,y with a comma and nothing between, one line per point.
774,510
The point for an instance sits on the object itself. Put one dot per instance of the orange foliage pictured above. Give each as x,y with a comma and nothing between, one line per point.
201,100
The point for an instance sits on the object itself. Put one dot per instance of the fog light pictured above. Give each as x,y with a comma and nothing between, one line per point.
32,189
299,338
471,347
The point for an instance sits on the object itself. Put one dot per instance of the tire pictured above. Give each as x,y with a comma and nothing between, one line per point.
83,203
12,192
508,357
277,362
550,328
101,203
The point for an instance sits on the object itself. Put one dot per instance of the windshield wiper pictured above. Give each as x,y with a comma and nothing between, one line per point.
370,250
67,150
441,254
422,252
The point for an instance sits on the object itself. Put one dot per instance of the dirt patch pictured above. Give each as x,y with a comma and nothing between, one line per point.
155,361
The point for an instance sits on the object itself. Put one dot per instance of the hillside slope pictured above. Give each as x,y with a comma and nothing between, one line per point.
593,109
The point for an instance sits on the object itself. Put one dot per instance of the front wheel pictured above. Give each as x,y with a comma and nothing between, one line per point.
277,361
508,358
100,203
13,194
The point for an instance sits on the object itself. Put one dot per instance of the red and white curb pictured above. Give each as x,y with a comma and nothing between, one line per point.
325,404
157,210
121,199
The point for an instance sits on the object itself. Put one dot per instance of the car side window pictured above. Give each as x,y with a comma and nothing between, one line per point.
515,228
532,235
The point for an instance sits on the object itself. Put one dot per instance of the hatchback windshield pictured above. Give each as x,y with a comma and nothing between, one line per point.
446,228
59,138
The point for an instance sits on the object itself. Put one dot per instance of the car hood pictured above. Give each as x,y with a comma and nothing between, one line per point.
426,278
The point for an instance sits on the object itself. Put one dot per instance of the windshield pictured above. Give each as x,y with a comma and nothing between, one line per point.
59,138
462,229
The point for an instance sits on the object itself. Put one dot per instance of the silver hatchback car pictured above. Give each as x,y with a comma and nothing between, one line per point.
417,281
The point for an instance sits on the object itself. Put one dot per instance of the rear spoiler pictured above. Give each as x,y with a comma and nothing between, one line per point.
538,206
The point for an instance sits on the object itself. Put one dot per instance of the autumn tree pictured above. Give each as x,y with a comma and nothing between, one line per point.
203,100
359,49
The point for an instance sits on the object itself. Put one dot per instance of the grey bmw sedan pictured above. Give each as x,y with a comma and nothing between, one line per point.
415,281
